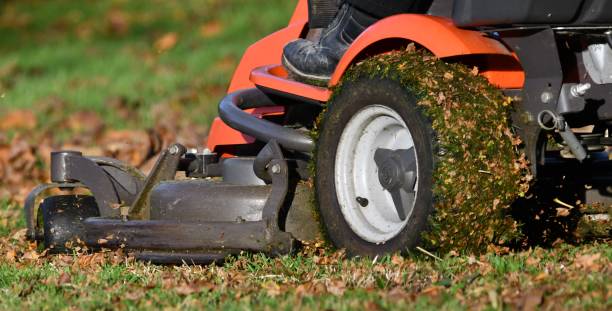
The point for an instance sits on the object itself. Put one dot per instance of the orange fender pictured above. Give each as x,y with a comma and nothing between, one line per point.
438,35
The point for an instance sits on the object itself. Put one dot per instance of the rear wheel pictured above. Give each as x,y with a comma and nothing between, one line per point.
374,168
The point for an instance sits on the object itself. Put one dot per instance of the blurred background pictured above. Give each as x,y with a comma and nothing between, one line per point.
120,78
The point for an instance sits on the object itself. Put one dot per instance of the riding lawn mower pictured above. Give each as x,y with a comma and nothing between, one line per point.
424,115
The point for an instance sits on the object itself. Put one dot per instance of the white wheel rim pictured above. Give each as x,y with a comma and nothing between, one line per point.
356,173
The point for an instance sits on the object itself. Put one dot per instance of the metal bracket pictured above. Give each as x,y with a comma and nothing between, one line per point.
165,169
539,56
111,187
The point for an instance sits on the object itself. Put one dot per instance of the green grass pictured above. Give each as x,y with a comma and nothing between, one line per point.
314,279
68,50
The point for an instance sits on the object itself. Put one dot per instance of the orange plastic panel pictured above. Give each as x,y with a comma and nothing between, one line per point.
265,51
437,34
275,77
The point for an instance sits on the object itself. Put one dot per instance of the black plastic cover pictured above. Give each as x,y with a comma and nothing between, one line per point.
596,12
472,13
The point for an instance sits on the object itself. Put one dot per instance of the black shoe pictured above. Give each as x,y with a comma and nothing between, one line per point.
315,62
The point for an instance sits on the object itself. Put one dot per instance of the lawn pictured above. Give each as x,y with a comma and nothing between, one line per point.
115,76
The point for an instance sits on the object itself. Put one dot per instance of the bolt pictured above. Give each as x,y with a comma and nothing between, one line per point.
174,149
362,201
546,97
579,90
276,169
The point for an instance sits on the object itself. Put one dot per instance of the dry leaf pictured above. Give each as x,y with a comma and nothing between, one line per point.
336,287
135,295
10,255
588,262
18,119
118,21
64,278
562,212
271,288
31,255
166,42
211,29
186,289
532,300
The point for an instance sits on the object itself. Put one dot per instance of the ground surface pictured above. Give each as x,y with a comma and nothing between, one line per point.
123,78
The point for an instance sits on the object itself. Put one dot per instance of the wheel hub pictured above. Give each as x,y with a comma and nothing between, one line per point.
389,174
376,173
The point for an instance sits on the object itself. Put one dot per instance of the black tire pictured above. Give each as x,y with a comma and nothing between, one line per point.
63,217
353,96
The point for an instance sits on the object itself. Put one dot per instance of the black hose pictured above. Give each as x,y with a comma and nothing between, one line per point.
230,111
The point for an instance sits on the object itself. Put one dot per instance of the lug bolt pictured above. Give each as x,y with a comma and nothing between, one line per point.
546,97
174,149
276,169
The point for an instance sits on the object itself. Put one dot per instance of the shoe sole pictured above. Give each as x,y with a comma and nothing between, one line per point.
304,77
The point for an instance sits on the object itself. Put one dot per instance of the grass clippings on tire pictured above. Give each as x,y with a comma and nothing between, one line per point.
480,171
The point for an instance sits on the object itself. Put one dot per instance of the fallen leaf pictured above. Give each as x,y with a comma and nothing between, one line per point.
562,212
117,21
336,287
64,278
166,42
135,295
19,235
432,291
185,289
31,255
18,119
398,294
588,262
271,288
211,29
10,255
532,300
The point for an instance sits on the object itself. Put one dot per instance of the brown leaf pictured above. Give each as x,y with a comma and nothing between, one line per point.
336,287
30,255
211,29
398,294
135,295
532,300
64,278
185,289
19,235
166,42
86,125
130,146
271,288
589,262
10,255
18,119
432,291
117,21
562,212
